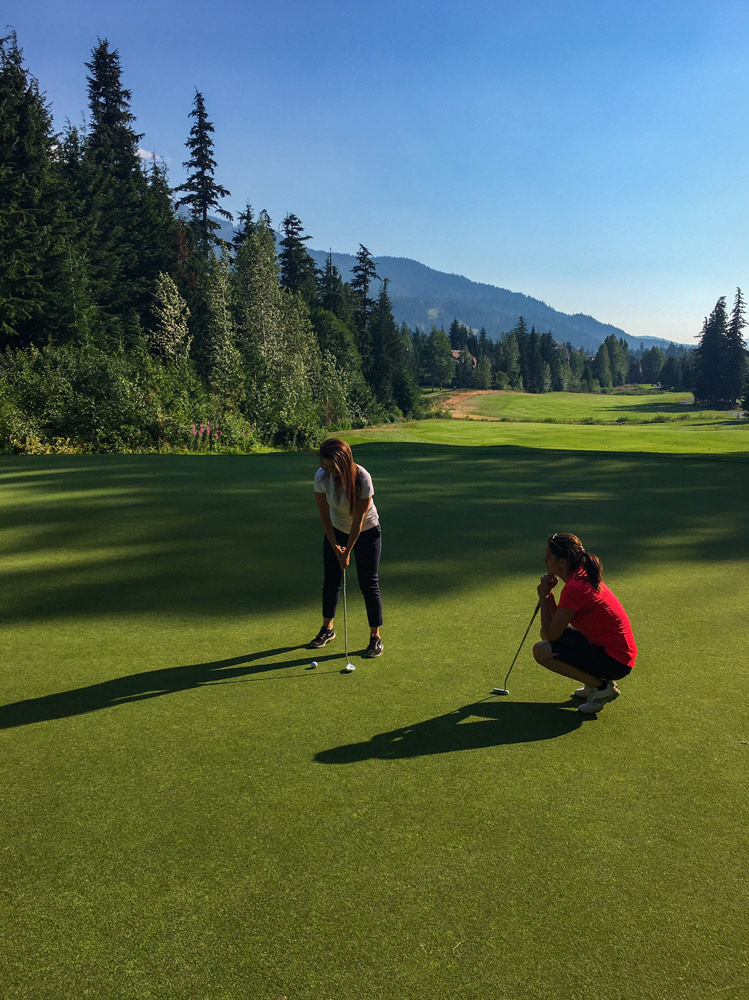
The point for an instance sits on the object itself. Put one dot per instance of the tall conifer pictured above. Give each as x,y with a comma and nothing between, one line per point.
30,250
202,192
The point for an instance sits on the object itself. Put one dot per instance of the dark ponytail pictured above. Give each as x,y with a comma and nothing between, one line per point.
567,546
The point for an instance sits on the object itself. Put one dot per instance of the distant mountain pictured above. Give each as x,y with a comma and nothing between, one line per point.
423,297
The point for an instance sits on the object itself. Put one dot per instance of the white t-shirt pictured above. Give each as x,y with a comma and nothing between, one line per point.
338,502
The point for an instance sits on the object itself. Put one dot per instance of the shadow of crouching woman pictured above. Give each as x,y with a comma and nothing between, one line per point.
498,723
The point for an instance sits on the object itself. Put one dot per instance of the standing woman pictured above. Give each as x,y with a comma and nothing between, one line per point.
587,635
344,491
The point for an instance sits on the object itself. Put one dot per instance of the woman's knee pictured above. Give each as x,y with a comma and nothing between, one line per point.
542,652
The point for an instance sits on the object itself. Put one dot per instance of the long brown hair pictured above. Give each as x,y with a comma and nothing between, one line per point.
566,546
339,454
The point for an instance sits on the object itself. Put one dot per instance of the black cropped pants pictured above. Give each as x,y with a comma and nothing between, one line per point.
367,549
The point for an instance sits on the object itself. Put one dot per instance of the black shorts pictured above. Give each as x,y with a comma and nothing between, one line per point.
572,647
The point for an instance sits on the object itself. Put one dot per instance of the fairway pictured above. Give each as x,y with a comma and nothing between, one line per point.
190,812
582,408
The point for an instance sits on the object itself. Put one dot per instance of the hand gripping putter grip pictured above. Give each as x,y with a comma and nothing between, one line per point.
503,690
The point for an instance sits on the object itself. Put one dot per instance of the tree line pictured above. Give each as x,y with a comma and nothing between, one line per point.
128,323
535,362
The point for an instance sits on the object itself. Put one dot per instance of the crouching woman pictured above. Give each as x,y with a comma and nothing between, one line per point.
586,635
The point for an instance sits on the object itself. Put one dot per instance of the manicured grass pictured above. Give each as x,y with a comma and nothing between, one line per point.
729,439
576,407
190,813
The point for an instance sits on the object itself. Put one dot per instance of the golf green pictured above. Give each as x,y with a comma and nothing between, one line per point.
191,812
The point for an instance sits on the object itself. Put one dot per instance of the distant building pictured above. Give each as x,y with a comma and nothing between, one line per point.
456,358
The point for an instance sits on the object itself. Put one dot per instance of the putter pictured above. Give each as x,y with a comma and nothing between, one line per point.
503,690
345,619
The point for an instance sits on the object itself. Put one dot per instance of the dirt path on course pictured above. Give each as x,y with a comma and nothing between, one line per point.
459,402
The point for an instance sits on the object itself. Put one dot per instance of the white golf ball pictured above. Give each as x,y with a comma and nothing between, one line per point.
314,663
349,667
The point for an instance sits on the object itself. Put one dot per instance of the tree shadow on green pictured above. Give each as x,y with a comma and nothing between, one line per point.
149,684
233,535
499,723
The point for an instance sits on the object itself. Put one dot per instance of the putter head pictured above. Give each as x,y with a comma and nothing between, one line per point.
500,691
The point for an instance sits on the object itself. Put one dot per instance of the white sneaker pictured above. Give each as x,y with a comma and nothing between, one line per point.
583,692
598,699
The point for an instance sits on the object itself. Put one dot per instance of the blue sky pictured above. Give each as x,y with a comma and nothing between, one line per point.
590,154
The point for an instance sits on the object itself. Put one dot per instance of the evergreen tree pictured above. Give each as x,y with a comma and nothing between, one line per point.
245,228
509,360
602,366
734,356
482,375
330,291
76,316
464,370
364,273
31,251
391,379
458,334
115,191
671,373
202,192
709,360
335,338
298,269
538,373
438,358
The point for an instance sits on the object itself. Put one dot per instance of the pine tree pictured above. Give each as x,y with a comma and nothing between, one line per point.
438,359
76,314
602,367
30,237
298,269
709,357
538,374
482,375
364,273
115,191
202,192
509,360
388,352
734,355
246,226
330,290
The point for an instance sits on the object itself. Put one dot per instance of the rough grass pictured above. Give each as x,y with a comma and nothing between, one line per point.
190,813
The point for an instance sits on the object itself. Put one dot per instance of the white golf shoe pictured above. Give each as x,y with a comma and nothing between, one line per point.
598,699
584,692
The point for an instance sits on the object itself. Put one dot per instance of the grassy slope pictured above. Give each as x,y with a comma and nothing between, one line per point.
189,812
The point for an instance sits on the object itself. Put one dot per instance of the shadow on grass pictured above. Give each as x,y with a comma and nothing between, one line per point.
150,684
109,535
501,723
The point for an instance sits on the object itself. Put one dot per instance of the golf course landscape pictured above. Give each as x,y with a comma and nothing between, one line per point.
190,811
